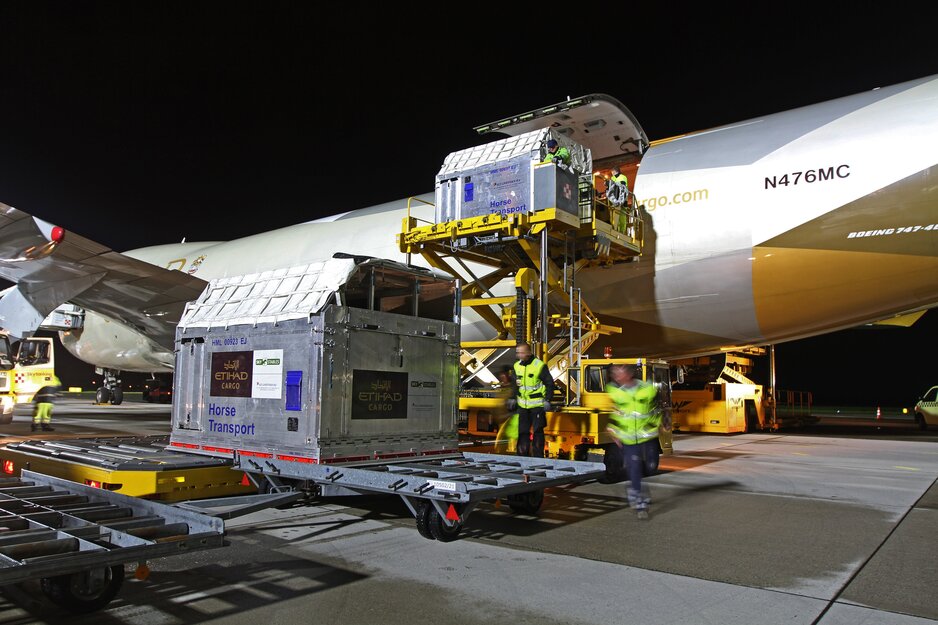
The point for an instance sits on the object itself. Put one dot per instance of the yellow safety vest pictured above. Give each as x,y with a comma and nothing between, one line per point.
530,387
561,155
635,419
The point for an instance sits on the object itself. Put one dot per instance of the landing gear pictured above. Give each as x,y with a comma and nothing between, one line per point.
111,391
86,591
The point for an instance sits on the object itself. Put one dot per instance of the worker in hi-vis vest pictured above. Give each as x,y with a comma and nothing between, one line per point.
534,389
557,154
506,439
44,400
617,188
634,423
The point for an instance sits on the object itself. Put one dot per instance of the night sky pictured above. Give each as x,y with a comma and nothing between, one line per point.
137,123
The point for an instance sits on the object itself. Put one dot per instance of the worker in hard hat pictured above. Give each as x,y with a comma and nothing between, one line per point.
44,400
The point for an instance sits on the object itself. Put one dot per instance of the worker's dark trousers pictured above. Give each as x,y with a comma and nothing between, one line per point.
636,457
529,418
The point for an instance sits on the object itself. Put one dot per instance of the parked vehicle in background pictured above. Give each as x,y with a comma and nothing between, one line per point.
926,410
157,392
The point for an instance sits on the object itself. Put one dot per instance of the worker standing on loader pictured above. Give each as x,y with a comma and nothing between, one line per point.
617,188
557,154
634,423
44,400
534,389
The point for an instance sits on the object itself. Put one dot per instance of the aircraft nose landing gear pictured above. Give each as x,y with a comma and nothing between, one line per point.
111,390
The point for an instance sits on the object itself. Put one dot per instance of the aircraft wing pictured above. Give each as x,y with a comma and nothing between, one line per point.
50,267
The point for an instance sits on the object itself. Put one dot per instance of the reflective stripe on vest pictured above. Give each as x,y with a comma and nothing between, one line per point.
635,419
530,387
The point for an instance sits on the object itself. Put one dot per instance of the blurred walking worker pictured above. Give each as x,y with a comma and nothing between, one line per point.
44,399
534,388
506,439
634,423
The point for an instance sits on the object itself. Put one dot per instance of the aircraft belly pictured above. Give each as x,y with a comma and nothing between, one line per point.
794,288
112,345
709,302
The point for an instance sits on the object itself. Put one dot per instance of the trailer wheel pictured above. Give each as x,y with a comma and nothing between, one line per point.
423,519
526,503
438,527
581,453
86,591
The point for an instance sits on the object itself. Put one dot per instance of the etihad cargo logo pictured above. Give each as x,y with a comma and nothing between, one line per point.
257,374
231,374
379,394
380,391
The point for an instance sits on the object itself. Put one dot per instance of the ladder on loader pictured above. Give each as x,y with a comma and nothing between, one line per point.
542,251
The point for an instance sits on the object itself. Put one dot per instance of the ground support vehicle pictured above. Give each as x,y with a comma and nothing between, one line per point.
515,230
714,395
76,539
25,367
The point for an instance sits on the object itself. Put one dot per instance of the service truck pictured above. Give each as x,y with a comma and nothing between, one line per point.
25,367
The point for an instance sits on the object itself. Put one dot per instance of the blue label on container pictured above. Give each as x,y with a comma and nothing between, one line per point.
294,390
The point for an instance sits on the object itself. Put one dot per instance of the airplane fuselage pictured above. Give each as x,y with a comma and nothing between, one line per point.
769,230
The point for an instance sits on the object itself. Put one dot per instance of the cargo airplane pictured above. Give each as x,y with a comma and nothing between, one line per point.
772,229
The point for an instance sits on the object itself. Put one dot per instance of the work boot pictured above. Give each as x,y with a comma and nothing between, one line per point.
47,428
635,498
641,508
35,427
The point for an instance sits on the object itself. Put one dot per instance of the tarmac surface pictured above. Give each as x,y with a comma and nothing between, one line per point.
801,527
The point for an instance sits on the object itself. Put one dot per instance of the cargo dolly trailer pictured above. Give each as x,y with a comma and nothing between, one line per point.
76,539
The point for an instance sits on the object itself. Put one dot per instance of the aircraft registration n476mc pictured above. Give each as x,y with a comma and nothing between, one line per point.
768,230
